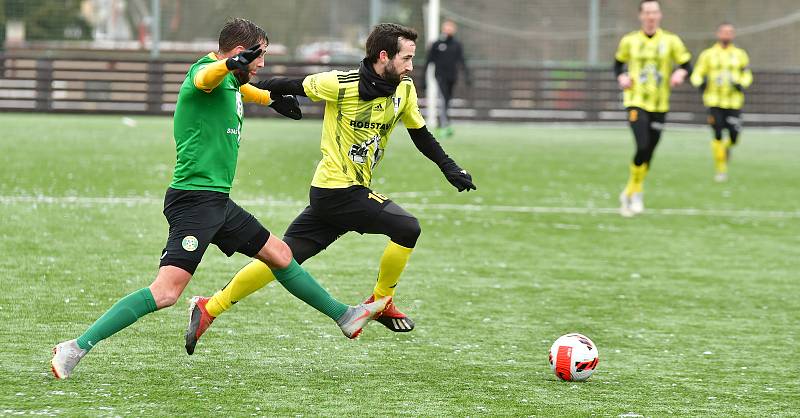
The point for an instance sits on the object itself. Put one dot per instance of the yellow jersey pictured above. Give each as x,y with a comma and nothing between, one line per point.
650,61
721,69
355,132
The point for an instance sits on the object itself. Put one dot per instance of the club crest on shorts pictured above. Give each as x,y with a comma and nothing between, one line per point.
189,243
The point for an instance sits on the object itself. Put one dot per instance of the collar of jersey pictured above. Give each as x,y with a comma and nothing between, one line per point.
371,85
655,35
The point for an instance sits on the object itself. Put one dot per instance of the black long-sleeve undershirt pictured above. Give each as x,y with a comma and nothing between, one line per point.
283,85
430,147
619,68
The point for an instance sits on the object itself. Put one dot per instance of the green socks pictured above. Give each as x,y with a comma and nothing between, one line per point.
124,313
141,302
299,283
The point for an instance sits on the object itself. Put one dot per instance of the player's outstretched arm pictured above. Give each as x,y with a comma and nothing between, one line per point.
430,147
287,105
279,86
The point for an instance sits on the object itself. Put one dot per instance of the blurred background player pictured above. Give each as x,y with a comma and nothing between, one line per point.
207,131
722,72
650,55
447,55
362,108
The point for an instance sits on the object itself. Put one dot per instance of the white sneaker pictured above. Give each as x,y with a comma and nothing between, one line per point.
65,357
637,203
721,177
625,205
356,317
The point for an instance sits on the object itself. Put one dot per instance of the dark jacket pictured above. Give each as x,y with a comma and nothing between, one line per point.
447,54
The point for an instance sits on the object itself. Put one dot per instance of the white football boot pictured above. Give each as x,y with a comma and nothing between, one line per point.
66,356
637,203
721,177
356,317
625,205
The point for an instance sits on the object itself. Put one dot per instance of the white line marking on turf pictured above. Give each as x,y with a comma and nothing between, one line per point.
602,211
144,200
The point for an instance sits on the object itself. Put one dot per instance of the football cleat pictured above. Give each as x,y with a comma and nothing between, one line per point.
66,356
625,205
637,203
721,177
356,317
392,318
199,321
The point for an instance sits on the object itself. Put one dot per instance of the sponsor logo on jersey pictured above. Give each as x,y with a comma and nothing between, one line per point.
368,125
378,108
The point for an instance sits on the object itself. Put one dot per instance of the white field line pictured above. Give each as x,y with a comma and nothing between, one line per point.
143,200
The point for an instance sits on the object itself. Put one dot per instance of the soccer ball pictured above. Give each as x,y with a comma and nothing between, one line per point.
573,357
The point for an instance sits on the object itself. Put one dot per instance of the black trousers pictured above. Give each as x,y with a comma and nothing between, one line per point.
720,119
646,127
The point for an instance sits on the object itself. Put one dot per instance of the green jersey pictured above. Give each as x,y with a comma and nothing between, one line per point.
207,129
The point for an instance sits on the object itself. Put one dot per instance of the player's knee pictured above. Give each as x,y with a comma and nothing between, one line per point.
284,255
408,232
302,249
276,254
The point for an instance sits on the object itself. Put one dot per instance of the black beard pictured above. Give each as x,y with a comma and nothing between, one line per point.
390,75
725,43
242,76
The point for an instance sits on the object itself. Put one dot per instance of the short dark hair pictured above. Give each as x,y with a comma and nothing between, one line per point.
725,23
641,3
386,37
242,32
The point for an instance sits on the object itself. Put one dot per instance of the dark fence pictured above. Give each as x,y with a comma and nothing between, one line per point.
496,93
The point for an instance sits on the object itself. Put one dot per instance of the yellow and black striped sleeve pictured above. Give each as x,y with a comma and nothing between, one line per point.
322,86
680,54
747,74
411,116
700,69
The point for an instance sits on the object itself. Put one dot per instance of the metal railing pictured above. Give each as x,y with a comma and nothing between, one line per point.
496,93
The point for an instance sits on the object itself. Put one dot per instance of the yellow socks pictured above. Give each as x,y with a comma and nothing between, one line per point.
720,151
394,260
250,278
636,179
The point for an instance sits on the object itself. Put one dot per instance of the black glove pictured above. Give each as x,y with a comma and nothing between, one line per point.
737,86
287,105
457,176
241,61
702,87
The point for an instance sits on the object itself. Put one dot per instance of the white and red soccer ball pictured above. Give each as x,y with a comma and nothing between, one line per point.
573,357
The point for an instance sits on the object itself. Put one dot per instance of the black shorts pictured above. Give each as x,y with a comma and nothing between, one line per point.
198,218
719,119
333,212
